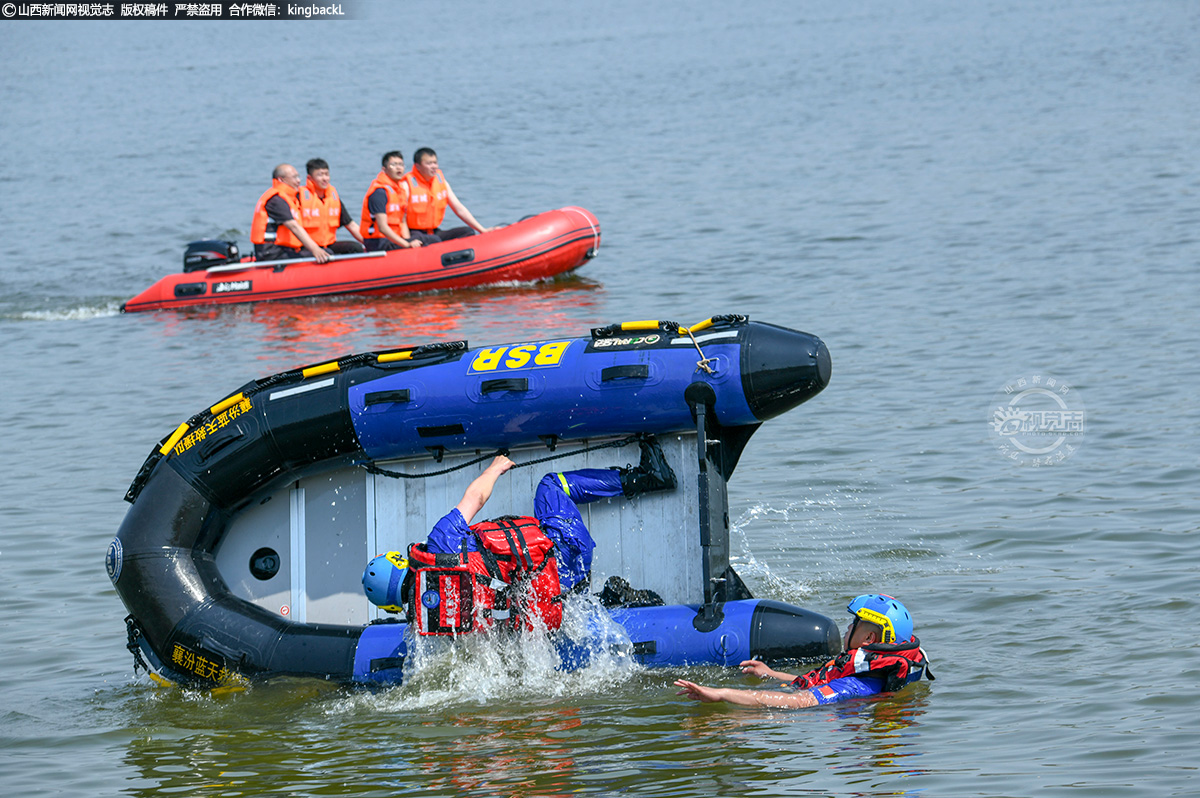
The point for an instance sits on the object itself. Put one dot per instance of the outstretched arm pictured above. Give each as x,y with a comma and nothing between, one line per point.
746,698
760,669
479,491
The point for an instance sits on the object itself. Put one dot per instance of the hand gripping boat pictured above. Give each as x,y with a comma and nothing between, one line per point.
241,555
534,248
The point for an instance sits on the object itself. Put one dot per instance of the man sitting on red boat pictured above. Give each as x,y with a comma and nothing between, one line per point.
275,230
511,570
385,208
429,194
323,212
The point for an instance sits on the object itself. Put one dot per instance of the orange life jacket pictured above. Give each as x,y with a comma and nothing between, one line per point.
509,582
427,201
321,217
397,203
263,230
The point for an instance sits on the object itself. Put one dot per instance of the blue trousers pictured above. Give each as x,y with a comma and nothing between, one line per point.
556,505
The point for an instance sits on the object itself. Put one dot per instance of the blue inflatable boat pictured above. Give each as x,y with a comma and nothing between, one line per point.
250,523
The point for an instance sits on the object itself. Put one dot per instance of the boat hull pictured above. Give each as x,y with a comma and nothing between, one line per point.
535,248
226,464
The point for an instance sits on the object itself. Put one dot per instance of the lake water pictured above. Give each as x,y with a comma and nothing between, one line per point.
954,196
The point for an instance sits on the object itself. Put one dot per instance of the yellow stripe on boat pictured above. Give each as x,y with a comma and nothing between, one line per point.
392,357
179,432
228,403
324,368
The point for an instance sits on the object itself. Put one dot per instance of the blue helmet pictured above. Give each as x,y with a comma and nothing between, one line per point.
382,579
886,613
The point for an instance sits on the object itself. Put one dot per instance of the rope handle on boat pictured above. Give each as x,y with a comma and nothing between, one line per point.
673,327
676,329
374,469
702,363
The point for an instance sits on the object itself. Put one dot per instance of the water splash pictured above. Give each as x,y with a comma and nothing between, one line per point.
529,666
815,546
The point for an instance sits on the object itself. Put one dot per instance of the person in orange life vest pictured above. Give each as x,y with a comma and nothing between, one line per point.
881,655
555,506
429,194
275,230
322,211
384,208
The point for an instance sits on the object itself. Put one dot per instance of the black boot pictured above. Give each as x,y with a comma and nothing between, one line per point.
652,473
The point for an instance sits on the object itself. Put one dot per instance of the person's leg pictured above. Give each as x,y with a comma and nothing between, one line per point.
379,245
555,505
455,232
275,252
558,494
344,248
425,238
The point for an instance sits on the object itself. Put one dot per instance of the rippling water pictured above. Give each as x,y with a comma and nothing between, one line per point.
953,196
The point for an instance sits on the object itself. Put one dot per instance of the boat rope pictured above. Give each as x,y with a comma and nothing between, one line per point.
702,363
132,633
374,469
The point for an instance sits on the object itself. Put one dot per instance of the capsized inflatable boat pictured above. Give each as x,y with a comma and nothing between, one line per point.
534,248
250,524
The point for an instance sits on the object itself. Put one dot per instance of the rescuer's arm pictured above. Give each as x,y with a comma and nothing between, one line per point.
760,669
746,698
479,491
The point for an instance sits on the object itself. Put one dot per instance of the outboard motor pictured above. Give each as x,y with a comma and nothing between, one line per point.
206,254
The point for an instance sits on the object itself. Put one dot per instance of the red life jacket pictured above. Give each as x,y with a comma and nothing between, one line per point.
897,664
512,580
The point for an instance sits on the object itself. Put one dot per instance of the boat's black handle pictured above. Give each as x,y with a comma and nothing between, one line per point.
632,371
440,431
505,384
214,444
455,258
384,397
190,289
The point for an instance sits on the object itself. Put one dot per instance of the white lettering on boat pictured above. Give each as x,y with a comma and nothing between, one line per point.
233,285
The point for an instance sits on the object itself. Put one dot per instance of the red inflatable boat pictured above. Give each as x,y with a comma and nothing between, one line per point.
532,249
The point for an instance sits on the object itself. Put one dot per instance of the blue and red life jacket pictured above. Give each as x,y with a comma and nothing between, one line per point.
896,664
510,581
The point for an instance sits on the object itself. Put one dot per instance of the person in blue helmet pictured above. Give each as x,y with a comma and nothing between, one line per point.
555,506
881,655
